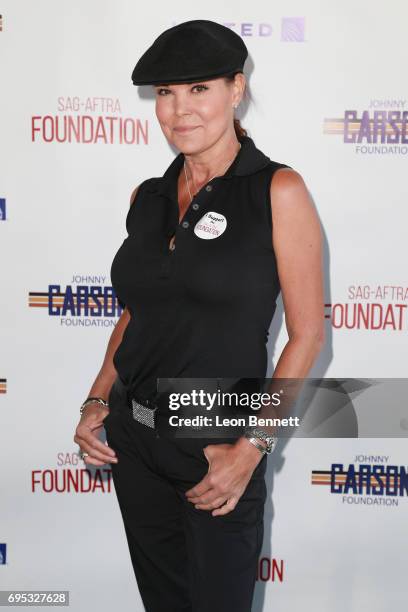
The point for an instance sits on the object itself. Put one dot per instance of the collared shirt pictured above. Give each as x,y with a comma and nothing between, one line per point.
202,309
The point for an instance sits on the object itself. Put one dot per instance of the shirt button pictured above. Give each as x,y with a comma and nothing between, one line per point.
185,224
195,206
208,188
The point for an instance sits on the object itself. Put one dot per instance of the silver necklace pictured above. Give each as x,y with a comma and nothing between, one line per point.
187,181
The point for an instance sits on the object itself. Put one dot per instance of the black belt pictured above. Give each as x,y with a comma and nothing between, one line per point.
147,411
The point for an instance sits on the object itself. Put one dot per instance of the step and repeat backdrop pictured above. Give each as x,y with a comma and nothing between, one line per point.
329,98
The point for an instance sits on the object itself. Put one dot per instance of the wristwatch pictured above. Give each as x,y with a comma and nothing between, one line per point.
253,433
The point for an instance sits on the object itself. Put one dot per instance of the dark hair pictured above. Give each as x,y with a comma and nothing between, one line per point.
239,130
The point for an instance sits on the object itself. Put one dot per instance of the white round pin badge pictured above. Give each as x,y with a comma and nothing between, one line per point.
211,225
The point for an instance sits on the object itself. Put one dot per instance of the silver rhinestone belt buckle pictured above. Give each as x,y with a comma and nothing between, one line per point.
144,415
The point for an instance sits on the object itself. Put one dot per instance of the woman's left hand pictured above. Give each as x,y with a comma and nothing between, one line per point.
230,469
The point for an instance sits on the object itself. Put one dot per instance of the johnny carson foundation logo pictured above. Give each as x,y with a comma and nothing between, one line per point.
379,129
88,121
70,476
85,302
371,307
371,480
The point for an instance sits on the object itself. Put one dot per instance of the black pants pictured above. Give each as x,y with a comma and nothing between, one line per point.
184,559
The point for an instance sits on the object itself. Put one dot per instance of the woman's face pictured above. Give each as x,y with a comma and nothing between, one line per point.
193,116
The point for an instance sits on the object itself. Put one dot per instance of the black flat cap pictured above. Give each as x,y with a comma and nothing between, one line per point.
191,51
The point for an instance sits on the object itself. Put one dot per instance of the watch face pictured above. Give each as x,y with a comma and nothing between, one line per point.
273,444
263,436
270,443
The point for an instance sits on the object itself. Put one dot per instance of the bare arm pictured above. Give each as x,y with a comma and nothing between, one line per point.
107,374
91,421
297,242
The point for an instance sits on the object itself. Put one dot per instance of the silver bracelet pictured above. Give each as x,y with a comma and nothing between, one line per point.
91,400
256,443
260,434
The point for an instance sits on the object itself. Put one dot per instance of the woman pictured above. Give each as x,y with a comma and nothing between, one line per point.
211,243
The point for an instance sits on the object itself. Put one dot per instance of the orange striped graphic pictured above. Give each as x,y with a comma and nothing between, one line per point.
324,478
336,126
41,299
3,385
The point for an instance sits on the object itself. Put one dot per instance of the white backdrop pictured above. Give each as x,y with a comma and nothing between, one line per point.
63,206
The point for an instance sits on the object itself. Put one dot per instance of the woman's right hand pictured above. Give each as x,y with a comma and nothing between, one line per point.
87,436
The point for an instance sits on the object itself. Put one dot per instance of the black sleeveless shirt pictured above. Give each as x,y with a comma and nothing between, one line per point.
204,308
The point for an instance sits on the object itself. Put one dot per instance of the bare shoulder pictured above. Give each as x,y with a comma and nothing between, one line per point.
133,196
288,188
287,177
290,198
